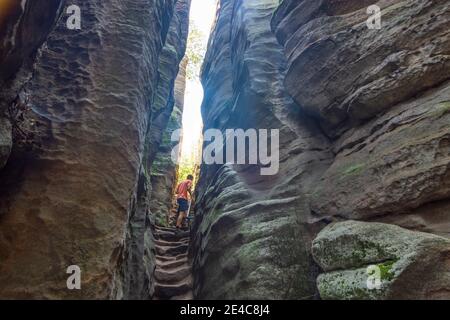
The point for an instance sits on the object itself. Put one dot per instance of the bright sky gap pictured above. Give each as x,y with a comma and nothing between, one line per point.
202,16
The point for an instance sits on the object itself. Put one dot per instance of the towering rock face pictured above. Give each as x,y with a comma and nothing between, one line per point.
252,232
378,69
77,194
139,254
384,98
363,117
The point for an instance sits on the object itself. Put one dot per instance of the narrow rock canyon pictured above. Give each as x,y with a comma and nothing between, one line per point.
87,178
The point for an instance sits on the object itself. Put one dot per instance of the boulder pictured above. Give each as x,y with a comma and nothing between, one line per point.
410,265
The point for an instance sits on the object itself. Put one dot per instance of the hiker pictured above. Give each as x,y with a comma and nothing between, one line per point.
183,189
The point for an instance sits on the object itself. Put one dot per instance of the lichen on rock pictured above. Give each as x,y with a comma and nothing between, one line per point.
409,264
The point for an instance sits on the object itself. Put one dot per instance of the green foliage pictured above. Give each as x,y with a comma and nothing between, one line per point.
386,270
195,51
186,167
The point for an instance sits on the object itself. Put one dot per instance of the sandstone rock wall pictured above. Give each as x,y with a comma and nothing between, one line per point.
364,120
139,255
24,26
382,97
246,222
78,195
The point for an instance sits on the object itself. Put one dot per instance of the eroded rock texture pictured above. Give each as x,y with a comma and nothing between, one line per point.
79,195
24,26
140,253
252,233
383,96
345,73
364,120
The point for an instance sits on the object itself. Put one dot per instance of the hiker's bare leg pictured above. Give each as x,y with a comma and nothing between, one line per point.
181,218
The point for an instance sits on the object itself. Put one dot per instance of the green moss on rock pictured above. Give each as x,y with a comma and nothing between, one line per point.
443,108
386,270
354,169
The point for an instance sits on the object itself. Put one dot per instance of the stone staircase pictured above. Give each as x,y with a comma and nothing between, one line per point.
173,275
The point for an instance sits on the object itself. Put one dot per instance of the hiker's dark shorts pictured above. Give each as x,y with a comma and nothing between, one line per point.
183,205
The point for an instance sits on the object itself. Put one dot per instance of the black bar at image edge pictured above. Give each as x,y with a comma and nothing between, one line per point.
221,309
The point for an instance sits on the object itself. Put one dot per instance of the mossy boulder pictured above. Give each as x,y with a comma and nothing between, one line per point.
354,254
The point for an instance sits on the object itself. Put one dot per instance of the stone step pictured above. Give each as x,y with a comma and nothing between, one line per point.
164,258
172,263
168,229
172,258
171,243
187,296
171,236
168,276
173,273
167,291
171,266
171,250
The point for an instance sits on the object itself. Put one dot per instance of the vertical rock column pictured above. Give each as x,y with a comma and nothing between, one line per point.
252,232
139,254
68,201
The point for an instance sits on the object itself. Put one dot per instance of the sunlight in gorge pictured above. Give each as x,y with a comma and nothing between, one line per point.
201,19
